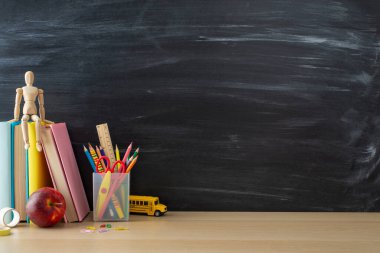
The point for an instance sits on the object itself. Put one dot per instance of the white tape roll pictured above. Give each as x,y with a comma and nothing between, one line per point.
15,220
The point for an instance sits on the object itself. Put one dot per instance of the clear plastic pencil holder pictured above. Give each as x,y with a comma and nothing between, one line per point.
111,196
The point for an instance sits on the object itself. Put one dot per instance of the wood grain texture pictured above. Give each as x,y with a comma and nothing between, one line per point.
209,232
236,105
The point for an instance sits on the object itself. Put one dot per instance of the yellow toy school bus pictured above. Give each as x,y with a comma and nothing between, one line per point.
146,204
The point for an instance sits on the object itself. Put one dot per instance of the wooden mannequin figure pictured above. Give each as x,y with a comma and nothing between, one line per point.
30,94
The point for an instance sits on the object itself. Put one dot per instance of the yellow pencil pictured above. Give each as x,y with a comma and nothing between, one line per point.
95,157
117,157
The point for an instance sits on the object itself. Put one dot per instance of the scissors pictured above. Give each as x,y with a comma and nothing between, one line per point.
106,191
108,168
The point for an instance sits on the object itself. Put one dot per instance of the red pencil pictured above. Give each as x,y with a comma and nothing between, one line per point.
127,153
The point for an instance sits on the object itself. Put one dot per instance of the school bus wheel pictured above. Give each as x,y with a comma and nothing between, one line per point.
157,213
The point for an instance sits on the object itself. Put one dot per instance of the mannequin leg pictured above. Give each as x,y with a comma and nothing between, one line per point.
37,119
24,127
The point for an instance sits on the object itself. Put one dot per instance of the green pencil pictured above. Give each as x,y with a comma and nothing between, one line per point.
133,156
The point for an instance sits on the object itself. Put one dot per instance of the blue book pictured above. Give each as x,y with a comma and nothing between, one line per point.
5,165
13,124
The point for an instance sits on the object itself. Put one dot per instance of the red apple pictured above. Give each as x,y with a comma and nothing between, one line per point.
46,207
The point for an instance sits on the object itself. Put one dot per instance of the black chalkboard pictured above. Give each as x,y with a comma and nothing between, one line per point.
237,105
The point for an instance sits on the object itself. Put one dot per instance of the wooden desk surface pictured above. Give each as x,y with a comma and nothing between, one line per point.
209,232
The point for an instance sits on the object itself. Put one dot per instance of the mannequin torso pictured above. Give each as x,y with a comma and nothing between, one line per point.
30,94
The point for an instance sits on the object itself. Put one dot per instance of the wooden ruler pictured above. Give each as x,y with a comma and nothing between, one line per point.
106,142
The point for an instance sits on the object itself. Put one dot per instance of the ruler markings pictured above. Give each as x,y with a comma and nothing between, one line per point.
106,142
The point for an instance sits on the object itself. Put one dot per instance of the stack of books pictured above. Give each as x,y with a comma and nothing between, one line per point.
23,172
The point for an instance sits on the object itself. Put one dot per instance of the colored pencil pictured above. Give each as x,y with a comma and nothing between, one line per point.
117,153
103,154
135,154
95,158
89,158
130,166
125,158
122,188
100,155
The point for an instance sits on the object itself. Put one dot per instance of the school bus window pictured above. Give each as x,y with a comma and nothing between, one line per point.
156,202
145,203
133,202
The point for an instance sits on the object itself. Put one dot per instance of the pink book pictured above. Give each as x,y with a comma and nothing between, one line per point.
70,167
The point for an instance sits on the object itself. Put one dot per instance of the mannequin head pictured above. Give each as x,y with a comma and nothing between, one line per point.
29,78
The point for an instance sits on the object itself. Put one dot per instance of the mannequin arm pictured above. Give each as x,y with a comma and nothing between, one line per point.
41,104
16,115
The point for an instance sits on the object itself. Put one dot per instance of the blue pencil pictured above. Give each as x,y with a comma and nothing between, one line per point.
103,154
89,158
